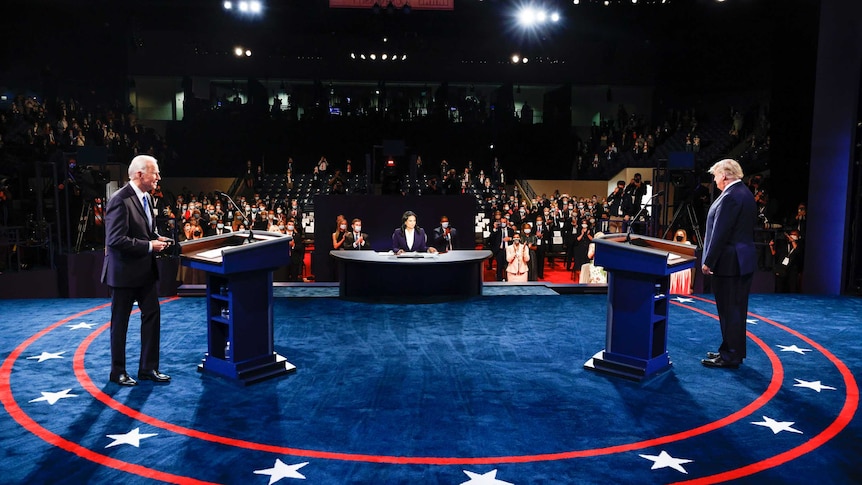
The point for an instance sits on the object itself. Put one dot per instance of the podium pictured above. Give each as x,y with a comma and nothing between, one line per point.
239,316
638,282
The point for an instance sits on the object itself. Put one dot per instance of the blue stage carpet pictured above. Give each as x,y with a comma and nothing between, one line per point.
486,391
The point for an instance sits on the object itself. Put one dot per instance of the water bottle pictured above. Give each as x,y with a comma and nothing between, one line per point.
227,350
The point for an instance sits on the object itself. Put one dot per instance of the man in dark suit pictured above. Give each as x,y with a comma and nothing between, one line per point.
445,236
729,257
501,236
356,239
544,238
131,245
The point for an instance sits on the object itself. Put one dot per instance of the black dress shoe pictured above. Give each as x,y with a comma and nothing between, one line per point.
124,380
720,363
713,355
153,375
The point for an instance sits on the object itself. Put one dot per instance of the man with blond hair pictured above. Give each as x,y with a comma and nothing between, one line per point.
729,258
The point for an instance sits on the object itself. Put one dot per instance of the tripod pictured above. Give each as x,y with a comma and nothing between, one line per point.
86,207
685,210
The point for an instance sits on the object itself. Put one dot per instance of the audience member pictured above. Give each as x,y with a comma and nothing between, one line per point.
356,239
445,236
517,259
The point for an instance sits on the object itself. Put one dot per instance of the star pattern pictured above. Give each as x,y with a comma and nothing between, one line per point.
793,348
53,397
82,325
683,300
281,470
752,321
777,426
488,478
816,385
664,460
133,438
48,356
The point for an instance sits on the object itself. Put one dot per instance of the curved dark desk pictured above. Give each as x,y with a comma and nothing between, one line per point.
368,275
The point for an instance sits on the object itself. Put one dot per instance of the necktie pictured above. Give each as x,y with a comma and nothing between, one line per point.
148,211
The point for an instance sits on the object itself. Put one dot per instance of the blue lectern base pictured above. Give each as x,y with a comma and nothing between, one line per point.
248,372
632,369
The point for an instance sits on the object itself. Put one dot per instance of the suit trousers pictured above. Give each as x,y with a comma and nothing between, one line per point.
731,301
122,300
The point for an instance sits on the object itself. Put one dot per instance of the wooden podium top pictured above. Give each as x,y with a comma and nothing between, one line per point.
236,252
643,254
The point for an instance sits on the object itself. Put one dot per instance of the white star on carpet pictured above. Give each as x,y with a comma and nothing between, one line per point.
793,348
48,355
489,478
664,460
683,300
133,438
82,325
777,426
53,397
752,321
280,470
816,385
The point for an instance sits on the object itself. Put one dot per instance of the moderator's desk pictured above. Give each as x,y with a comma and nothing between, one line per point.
368,275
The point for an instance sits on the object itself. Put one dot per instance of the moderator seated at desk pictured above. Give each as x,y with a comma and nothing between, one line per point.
367,275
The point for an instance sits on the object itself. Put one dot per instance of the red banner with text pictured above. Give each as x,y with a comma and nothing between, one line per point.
414,4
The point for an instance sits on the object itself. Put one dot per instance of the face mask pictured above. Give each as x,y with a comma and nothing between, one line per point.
517,241
343,227
584,226
526,231
358,228
278,210
445,225
290,227
794,238
185,208
679,238
220,226
280,227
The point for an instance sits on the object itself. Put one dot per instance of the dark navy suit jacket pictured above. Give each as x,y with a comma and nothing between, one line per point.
399,241
128,260
729,240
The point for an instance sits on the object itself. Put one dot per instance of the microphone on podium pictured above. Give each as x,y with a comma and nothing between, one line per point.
631,223
247,222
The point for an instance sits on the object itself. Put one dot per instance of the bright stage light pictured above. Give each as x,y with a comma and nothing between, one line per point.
516,58
255,7
384,56
237,51
555,17
243,7
248,52
527,17
373,57
228,5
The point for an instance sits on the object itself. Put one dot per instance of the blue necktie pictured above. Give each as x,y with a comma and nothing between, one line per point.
148,211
